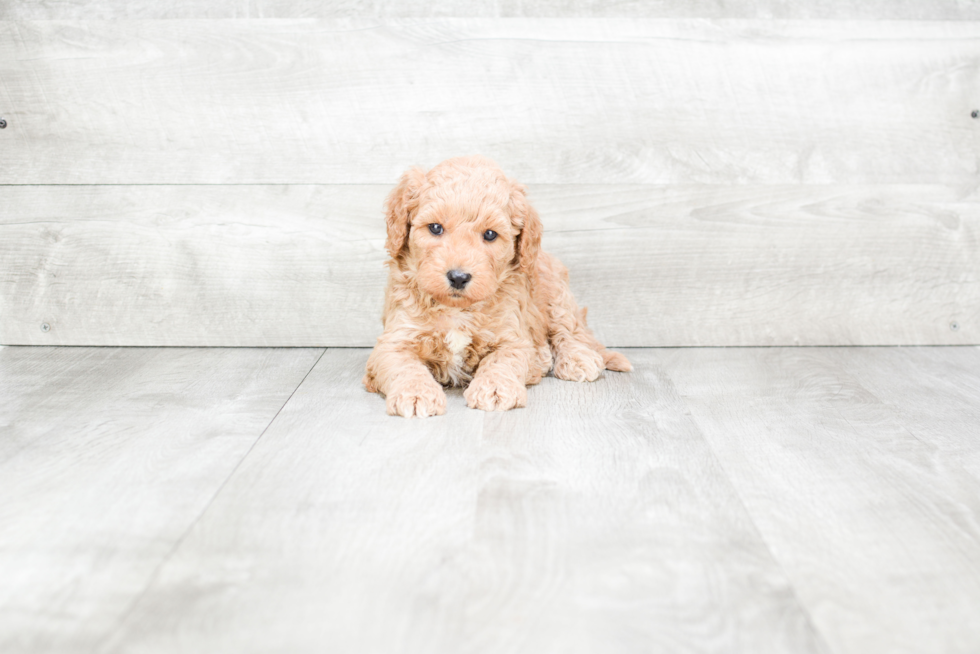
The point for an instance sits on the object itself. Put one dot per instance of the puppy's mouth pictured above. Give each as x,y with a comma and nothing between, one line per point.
457,298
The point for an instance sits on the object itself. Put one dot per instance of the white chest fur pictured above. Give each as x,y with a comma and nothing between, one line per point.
457,341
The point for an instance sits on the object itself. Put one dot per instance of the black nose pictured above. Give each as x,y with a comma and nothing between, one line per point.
458,278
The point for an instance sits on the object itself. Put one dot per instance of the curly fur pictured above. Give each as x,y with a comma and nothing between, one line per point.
509,326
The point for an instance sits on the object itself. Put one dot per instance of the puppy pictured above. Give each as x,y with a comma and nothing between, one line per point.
472,300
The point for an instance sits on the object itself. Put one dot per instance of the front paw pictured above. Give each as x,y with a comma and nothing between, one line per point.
421,400
489,394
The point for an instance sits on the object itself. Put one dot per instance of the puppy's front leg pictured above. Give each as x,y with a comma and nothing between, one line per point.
408,386
500,383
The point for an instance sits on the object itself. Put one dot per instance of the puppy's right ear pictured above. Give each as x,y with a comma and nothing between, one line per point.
399,207
526,218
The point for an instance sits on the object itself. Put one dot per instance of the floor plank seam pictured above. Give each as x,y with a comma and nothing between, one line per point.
176,546
804,609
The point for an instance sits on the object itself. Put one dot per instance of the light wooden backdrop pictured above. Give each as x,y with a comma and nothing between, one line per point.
712,173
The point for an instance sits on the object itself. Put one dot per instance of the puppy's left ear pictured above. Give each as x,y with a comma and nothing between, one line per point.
401,202
526,218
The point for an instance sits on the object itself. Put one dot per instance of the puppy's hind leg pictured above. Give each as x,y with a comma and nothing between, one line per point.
578,355
612,360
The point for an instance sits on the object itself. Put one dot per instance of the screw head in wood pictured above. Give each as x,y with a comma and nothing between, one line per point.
45,327
954,325
3,123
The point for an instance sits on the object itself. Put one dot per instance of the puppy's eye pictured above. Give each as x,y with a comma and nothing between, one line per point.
489,235
435,228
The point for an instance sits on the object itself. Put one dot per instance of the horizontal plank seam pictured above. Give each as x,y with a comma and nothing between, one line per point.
627,184
618,347
173,550
373,22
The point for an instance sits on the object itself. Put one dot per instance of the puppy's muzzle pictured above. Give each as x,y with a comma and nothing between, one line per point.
458,279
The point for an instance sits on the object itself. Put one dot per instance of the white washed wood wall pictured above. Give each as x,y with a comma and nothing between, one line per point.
711,173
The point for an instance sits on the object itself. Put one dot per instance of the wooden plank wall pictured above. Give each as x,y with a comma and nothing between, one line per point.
783,9
711,174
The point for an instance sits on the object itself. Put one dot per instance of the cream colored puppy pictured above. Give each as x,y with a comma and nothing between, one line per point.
472,300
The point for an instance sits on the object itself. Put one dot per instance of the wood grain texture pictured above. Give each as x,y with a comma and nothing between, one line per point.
714,500
107,456
677,265
933,392
595,520
839,9
877,529
589,100
248,266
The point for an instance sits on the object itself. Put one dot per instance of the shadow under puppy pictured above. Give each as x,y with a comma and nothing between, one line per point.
472,300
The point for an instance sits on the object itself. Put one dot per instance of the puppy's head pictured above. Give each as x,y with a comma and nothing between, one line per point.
460,229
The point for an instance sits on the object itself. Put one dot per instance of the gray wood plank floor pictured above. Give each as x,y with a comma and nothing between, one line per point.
715,499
